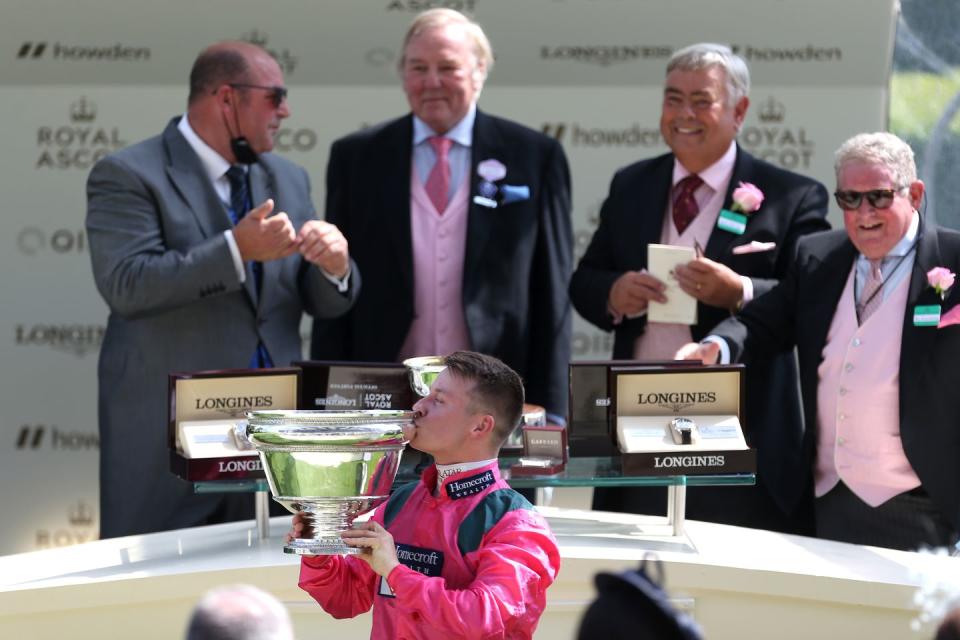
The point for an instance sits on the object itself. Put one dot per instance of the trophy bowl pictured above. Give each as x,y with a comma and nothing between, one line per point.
423,371
330,465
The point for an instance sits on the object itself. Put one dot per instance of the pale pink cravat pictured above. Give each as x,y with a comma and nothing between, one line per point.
871,296
438,182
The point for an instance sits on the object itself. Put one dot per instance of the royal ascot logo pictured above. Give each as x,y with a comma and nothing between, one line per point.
34,50
77,339
81,526
233,406
803,53
604,55
576,134
40,436
32,241
416,6
295,140
77,145
287,61
677,401
772,140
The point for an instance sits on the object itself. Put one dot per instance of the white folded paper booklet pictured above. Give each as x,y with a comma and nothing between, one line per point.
641,434
210,439
680,307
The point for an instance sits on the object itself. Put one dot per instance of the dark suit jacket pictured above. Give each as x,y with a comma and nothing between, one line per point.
799,312
632,217
518,256
163,266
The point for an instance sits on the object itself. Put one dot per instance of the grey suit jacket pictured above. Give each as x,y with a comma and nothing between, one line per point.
163,266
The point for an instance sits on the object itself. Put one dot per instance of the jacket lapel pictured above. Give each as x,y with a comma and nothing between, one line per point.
918,342
189,178
486,143
720,241
394,173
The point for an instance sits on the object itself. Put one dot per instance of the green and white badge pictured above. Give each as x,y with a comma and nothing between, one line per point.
926,315
735,223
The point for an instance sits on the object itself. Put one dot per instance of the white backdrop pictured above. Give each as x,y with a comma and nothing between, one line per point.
79,80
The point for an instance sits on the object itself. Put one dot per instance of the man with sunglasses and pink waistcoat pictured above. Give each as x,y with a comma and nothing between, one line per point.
873,313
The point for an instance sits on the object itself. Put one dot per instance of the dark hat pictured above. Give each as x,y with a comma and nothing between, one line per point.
633,605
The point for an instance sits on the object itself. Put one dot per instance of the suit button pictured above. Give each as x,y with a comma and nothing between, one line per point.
842,417
841,441
843,391
848,367
857,342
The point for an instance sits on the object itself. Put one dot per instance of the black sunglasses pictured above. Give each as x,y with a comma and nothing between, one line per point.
277,94
878,198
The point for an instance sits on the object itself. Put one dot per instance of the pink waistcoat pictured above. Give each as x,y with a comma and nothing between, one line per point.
439,247
858,401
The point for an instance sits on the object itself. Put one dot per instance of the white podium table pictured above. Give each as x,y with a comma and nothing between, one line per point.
737,583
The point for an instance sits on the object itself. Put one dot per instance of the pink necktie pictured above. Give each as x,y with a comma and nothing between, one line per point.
438,183
871,296
685,207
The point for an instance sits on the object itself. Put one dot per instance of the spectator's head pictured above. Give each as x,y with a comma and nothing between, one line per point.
704,103
239,612
877,189
445,61
473,405
632,606
236,90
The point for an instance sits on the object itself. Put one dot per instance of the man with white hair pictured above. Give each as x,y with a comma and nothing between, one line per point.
874,316
747,216
458,220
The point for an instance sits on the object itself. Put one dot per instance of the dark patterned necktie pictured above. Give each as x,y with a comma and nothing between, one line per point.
685,207
240,204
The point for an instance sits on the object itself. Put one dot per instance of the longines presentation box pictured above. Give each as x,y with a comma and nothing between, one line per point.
590,415
205,408
679,420
348,386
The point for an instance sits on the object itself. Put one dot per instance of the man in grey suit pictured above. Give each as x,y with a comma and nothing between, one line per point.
207,250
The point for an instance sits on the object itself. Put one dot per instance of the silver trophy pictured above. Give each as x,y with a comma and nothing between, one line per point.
423,371
330,465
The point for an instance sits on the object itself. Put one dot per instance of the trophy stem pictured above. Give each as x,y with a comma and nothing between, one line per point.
325,519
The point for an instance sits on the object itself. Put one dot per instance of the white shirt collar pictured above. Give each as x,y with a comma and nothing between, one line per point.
213,163
461,133
444,471
717,175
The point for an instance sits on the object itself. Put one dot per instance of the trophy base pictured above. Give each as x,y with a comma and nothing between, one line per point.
325,547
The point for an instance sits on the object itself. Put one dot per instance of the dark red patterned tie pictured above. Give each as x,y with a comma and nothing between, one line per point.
685,207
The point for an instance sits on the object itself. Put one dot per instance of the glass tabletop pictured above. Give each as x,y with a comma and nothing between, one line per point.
605,472
579,472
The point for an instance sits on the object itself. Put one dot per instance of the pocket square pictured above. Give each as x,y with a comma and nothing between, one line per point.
754,247
950,317
514,193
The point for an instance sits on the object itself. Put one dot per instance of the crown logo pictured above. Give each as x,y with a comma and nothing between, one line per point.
772,111
83,110
80,515
255,36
